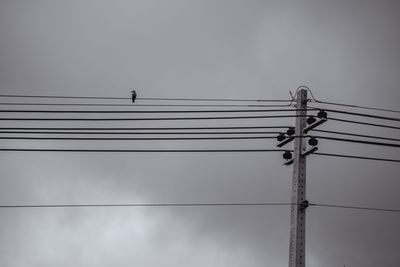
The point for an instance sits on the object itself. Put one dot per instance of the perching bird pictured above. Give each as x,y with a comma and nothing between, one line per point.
133,96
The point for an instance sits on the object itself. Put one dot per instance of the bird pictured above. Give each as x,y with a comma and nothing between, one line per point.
133,96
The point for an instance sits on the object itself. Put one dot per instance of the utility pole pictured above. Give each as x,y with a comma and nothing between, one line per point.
299,202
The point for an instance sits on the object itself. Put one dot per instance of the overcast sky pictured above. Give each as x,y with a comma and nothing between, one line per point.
345,51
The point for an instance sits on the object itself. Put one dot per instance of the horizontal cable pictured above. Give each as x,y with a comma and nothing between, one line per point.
143,105
356,106
135,133
145,205
184,138
356,157
152,119
146,98
358,141
353,134
354,207
364,123
150,111
360,114
142,128
139,150
135,138
214,99
64,97
190,205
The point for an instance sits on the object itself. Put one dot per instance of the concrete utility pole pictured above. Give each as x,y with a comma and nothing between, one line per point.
299,202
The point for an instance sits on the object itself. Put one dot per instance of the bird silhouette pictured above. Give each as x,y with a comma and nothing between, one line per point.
133,96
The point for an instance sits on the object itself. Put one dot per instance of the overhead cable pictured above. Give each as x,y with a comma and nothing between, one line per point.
145,205
133,133
65,97
139,150
356,106
359,114
356,157
146,98
365,123
142,128
354,207
150,111
358,141
358,135
134,138
204,204
152,119
144,105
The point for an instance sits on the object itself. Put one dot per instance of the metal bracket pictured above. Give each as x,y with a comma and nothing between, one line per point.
312,150
284,142
312,126
288,163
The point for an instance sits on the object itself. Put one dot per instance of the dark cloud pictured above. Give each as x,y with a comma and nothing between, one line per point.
346,51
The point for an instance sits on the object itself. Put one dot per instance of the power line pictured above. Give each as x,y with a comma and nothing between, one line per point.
66,97
142,105
359,141
184,138
360,114
149,111
150,119
213,99
353,134
189,205
365,123
147,98
136,138
140,150
355,157
354,207
356,106
134,133
143,128
145,205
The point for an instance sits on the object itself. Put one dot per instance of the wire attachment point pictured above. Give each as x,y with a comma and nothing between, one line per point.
305,204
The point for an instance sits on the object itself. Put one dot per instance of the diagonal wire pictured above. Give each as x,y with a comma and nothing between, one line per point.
356,106
365,123
356,157
359,114
353,134
354,207
359,141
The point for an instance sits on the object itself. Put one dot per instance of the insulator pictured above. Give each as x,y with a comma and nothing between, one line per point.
311,120
281,137
313,141
287,155
322,114
290,131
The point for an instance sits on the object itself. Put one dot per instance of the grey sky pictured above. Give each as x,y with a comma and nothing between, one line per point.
345,51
